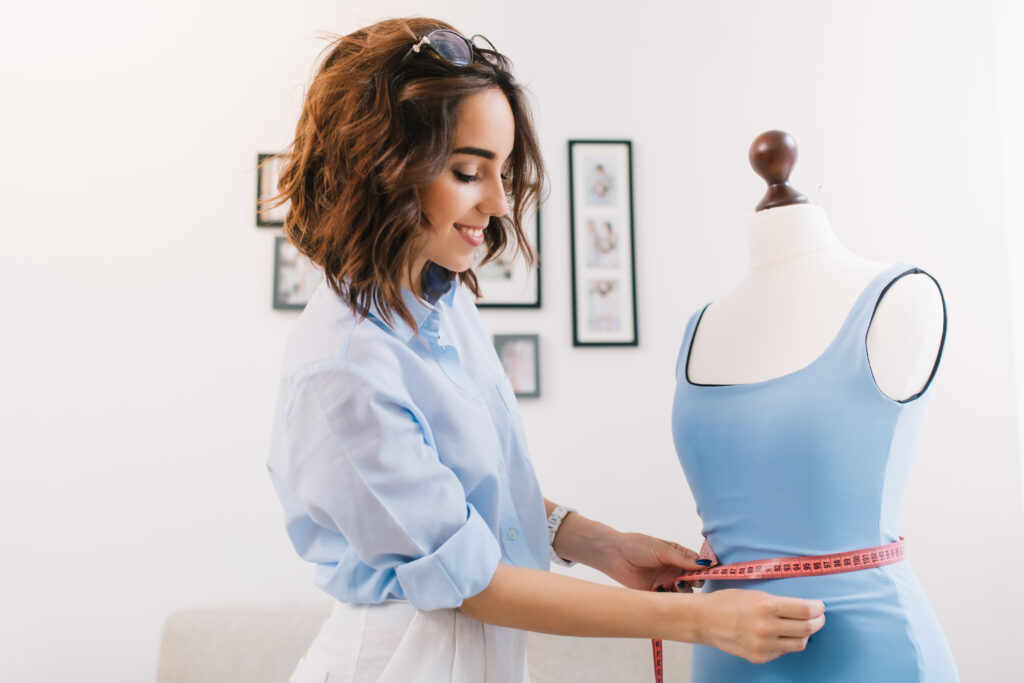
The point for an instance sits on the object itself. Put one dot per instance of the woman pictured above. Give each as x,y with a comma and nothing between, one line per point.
398,451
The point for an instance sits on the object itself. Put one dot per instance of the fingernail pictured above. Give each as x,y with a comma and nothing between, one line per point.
680,585
660,589
704,563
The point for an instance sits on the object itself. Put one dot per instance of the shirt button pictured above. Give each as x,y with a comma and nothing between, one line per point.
501,466
512,534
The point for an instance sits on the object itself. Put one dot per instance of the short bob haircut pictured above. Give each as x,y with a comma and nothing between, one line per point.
375,129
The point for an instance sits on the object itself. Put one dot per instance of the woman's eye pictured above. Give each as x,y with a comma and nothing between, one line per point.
465,177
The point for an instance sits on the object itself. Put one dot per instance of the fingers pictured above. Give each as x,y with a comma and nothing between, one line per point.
677,555
798,608
686,586
759,626
792,645
793,635
768,649
800,628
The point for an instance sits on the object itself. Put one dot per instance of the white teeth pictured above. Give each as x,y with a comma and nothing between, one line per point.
475,233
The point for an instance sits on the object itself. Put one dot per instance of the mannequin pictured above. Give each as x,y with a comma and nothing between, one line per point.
800,284
799,398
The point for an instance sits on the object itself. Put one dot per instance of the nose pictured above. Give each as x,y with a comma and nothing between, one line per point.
494,201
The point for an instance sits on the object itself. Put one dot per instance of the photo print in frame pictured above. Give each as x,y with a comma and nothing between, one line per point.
295,277
602,245
520,357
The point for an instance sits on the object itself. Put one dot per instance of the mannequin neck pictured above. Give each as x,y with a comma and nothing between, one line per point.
782,233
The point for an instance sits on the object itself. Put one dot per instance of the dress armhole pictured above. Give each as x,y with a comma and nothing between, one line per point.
942,339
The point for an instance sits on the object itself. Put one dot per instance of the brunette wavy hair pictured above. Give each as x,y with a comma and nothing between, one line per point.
375,129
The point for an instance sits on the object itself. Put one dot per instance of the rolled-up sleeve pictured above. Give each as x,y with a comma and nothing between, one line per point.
362,463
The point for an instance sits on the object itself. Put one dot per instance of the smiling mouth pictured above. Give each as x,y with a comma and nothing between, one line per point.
475,233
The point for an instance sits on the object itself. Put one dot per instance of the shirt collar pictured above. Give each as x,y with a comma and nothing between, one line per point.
421,311
448,298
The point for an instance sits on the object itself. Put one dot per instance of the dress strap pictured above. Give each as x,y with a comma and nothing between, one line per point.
684,348
863,311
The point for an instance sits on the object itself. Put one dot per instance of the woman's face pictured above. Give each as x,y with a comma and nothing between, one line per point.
460,202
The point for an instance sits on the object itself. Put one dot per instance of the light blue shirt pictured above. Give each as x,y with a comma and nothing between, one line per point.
399,454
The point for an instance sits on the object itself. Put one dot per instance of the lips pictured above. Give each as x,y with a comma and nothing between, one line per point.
472,234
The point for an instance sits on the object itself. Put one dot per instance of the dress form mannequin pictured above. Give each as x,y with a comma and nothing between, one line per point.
800,284
799,398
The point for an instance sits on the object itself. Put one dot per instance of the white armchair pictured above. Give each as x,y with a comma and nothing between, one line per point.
261,643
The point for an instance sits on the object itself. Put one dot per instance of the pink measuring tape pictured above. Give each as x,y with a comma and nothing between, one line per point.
785,567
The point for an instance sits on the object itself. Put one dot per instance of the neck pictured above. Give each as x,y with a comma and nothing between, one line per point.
413,278
785,232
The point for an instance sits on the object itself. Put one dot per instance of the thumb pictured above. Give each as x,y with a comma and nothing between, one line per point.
679,556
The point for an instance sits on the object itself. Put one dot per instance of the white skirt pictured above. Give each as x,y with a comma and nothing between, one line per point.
393,642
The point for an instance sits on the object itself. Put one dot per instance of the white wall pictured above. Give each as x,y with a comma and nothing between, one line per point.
139,353
1008,19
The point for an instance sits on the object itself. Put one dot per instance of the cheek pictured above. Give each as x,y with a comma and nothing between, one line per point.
444,202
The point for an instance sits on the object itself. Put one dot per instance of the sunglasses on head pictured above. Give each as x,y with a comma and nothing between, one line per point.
448,45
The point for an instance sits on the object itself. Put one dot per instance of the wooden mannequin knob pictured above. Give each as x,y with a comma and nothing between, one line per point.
773,155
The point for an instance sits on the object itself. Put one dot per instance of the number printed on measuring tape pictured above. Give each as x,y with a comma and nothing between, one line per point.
816,565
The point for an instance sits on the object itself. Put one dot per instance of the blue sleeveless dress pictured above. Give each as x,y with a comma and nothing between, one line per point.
810,463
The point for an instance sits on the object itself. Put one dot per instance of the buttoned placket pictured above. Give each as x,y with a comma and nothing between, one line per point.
446,353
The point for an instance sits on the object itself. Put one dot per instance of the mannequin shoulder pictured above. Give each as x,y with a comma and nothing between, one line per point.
906,335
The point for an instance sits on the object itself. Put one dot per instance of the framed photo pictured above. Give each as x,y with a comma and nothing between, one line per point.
268,173
520,356
507,282
601,230
295,277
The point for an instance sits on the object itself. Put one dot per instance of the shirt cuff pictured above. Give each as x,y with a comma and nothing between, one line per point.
462,567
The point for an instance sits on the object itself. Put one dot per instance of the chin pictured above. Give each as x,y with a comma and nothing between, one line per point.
458,266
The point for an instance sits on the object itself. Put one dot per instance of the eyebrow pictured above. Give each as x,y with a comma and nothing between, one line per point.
476,151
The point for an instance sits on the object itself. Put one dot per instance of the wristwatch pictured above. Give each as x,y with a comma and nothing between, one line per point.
555,520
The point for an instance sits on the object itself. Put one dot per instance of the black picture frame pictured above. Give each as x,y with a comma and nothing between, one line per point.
509,282
520,357
268,170
602,243
295,277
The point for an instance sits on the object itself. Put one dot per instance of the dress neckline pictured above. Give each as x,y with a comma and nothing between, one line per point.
840,334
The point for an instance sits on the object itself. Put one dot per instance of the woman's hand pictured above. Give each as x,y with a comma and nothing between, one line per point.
646,563
755,625
634,560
